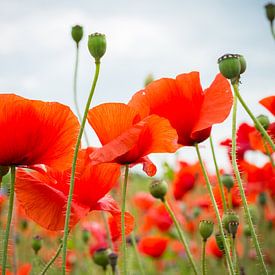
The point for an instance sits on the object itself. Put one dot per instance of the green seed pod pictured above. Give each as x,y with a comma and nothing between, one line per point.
230,66
101,258
206,229
264,121
77,33
219,241
229,217
242,62
97,45
254,213
149,78
233,228
36,243
158,189
85,236
227,181
270,12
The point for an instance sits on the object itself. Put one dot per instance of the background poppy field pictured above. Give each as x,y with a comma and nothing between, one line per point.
159,102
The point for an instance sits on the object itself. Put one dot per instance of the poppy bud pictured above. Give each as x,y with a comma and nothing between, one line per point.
149,78
253,210
264,121
158,189
219,241
101,258
206,229
85,236
233,228
229,217
23,225
230,66
97,45
262,198
36,244
227,181
77,33
113,260
270,12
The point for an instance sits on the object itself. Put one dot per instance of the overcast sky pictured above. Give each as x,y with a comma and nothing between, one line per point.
161,37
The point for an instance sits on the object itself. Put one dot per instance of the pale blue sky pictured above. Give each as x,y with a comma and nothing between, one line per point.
162,37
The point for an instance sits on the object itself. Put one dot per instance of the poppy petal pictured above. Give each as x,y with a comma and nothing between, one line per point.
269,103
216,105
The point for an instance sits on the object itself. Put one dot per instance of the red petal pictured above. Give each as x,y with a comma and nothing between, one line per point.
269,103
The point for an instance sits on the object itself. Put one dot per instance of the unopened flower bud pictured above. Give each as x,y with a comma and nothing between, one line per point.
206,229
149,78
230,66
77,33
97,45
264,121
100,257
36,244
227,181
229,217
85,236
270,12
158,189
219,241
233,228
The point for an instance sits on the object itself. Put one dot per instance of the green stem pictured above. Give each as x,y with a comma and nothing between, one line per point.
230,199
9,218
138,258
52,260
72,180
255,120
214,203
272,29
239,181
203,262
109,238
268,153
218,175
123,206
181,236
75,90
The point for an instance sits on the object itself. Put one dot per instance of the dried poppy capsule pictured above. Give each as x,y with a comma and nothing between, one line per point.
229,217
158,189
230,66
227,181
77,33
270,12
206,229
264,121
97,45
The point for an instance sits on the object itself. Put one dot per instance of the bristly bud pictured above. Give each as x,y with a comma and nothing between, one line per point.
219,241
113,261
230,66
158,189
233,228
77,33
85,236
264,121
149,78
206,229
227,181
100,257
229,217
97,45
270,12
36,244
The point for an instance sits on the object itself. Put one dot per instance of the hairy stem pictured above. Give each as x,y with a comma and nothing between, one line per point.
203,262
137,255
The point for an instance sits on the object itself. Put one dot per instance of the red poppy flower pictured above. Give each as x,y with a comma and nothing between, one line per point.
153,246
128,139
269,103
24,269
190,110
143,200
36,132
43,194
213,249
185,179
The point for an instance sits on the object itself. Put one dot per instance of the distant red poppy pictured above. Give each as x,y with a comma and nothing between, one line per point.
43,194
143,200
213,249
190,110
269,103
36,132
153,246
24,269
128,139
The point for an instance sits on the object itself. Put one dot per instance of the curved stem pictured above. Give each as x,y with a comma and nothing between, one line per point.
181,235
75,90
240,185
72,180
203,262
47,266
9,218
109,238
123,206
268,153
255,120
138,258
235,256
218,175
214,203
